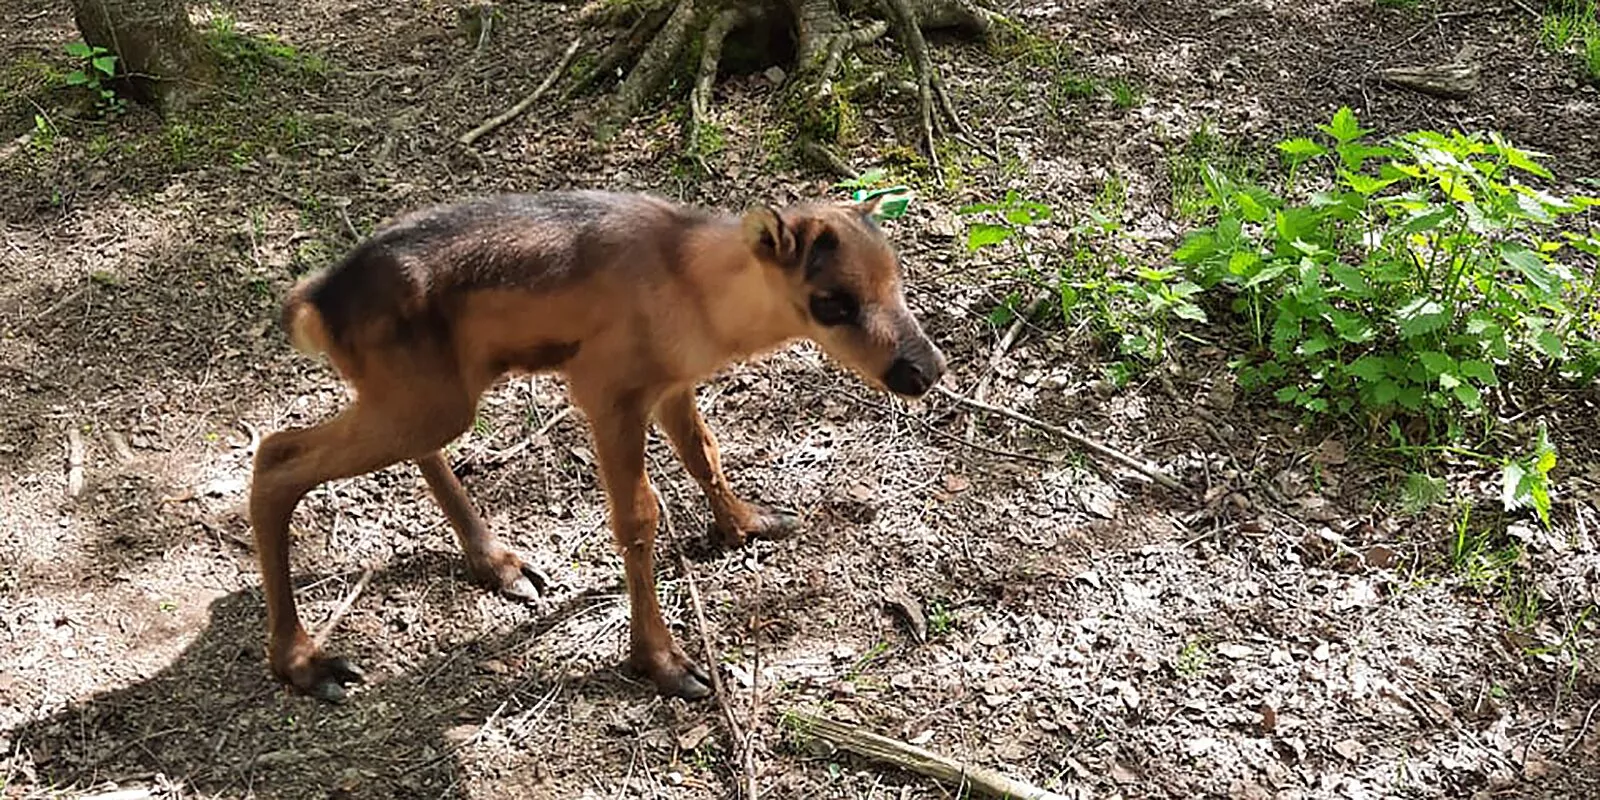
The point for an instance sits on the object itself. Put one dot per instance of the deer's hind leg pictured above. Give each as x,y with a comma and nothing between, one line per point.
392,420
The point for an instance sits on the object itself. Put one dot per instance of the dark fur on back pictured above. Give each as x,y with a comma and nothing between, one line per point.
409,269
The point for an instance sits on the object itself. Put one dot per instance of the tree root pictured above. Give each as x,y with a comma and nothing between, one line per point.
706,77
664,31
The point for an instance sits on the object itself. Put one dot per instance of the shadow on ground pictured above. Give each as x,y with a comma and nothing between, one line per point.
215,722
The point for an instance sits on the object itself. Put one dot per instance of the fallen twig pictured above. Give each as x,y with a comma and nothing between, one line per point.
338,613
941,768
734,733
502,456
74,462
981,392
1148,470
533,97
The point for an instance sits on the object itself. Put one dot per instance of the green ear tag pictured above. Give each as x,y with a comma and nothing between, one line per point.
895,200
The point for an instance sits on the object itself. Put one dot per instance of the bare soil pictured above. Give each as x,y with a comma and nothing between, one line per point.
1287,632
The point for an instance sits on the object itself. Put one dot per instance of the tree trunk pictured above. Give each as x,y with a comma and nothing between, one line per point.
160,57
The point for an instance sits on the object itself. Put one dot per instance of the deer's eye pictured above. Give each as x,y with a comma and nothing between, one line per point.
834,308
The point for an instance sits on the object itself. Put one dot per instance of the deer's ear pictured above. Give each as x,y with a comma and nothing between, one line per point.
869,207
769,237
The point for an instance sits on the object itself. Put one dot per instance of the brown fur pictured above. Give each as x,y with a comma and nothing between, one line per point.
634,299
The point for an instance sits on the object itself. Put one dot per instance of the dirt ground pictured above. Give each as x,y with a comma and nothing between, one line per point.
1289,632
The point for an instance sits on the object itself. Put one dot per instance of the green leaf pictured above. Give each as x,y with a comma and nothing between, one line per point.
1251,208
1368,368
1521,160
1301,149
1513,486
1286,394
1468,395
1351,279
1424,222
1437,363
1196,247
1480,371
77,78
1189,311
1243,262
1344,127
1410,397
1550,344
1314,345
106,64
78,50
1420,316
1420,491
1365,184
1531,266
1267,274
984,234
1385,392
1352,328
1355,155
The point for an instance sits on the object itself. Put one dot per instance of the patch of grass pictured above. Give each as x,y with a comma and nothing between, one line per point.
1124,93
1482,557
1206,152
1573,26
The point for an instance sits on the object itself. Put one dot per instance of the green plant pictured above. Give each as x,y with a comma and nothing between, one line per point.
1124,94
1203,152
1405,288
1132,305
940,620
1526,481
1193,659
96,66
1573,25
1478,557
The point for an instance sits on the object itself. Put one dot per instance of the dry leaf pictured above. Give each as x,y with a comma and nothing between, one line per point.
1381,557
1350,749
692,738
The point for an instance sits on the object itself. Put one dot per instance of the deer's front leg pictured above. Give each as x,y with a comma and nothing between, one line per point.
735,519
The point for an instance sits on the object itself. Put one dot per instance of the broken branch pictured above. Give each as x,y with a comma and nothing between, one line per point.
74,462
915,759
333,620
734,733
1148,470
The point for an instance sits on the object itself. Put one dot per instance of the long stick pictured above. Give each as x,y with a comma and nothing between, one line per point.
881,748
533,97
734,731
1149,470
327,627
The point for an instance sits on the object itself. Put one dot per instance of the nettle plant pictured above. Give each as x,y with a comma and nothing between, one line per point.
1134,305
1410,278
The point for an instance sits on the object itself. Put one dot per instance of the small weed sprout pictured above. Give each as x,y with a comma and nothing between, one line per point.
96,67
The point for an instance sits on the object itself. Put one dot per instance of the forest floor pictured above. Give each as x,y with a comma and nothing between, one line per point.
1288,631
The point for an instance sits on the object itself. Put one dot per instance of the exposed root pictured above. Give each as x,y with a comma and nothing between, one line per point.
706,77
825,156
843,43
917,51
656,60
473,135
664,31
